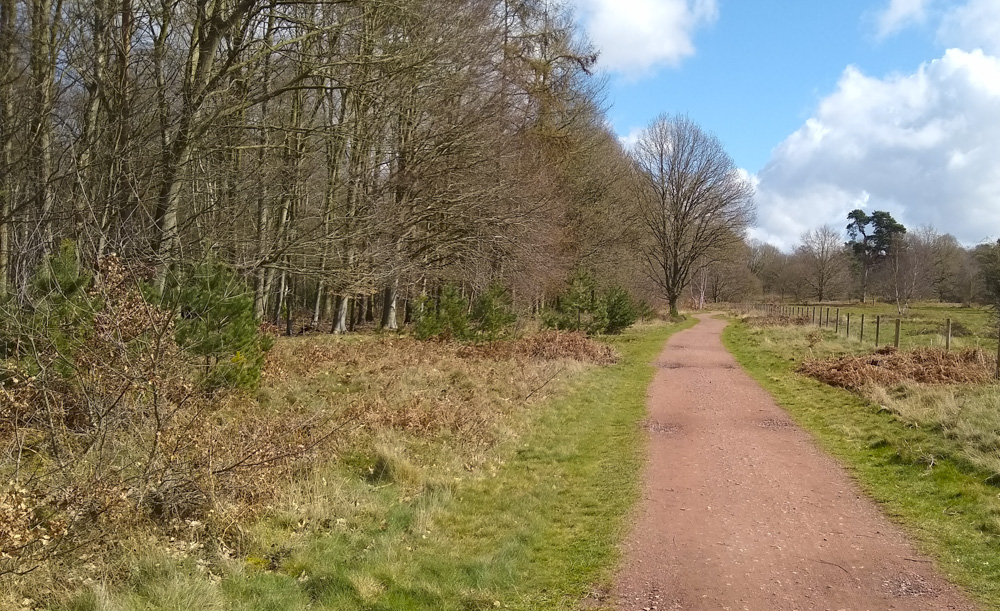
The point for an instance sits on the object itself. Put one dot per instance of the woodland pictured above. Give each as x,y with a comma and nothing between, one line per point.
184,181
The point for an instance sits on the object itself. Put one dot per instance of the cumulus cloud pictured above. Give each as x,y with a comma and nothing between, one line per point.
631,138
638,36
899,14
925,146
973,25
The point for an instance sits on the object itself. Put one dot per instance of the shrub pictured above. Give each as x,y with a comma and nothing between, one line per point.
491,316
582,308
217,324
86,367
101,424
579,309
447,319
622,311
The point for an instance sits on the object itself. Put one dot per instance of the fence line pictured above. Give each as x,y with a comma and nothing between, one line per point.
813,316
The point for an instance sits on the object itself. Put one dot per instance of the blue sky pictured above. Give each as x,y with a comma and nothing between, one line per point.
832,105
761,68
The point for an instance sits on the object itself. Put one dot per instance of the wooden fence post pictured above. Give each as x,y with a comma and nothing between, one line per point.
837,326
848,334
896,342
878,328
997,375
861,337
947,335
828,317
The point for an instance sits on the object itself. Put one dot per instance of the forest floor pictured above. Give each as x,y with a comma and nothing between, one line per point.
743,510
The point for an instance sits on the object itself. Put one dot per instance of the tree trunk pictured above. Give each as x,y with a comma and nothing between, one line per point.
318,306
290,307
8,10
43,28
340,318
389,306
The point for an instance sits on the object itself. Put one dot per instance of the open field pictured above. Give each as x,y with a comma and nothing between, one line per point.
927,452
923,324
466,480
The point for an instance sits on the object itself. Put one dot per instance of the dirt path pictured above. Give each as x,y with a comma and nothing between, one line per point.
742,511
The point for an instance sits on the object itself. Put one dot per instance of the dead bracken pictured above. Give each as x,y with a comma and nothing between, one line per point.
889,367
548,346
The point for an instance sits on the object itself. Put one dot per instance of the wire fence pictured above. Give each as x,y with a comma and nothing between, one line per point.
880,329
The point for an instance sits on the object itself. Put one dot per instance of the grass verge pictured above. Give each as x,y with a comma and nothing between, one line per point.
411,520
917,472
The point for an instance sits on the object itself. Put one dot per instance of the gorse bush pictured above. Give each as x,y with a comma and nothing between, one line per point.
216,323
490,317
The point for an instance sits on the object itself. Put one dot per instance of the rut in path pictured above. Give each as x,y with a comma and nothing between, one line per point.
742,511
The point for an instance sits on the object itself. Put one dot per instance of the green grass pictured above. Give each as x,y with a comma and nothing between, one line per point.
923,324
919,474
538,527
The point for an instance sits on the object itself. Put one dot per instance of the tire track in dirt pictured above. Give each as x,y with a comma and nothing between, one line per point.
742,511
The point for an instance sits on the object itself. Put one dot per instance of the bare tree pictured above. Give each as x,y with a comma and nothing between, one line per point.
908,273
692,199
824,261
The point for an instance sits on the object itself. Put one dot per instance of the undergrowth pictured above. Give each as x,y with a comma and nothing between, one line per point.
461,477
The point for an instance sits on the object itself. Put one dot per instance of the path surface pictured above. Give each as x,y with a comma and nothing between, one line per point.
742,511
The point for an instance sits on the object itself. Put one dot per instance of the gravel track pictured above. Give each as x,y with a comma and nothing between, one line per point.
742,511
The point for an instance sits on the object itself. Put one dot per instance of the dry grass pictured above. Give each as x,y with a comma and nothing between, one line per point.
549,346
760,321
423,388
419,415
889,367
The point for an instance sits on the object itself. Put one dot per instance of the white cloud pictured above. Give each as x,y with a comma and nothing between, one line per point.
924,146
899,14
966,24
629,139
638,36
973,25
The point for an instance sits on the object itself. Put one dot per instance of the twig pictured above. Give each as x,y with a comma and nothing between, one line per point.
545,383
831,564
243,464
